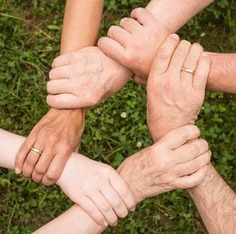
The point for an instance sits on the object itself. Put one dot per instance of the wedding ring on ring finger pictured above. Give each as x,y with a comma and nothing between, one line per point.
35,150
188,70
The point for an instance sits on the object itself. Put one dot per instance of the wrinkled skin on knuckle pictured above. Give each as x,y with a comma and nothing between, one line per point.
50,177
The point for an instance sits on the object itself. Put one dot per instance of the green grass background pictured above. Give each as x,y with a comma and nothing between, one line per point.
29,40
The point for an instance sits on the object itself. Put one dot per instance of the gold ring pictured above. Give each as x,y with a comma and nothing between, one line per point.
188,70
35,150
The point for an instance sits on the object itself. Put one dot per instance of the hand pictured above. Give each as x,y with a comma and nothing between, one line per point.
135,42
96,188
171,163
174,97
84,78
56,136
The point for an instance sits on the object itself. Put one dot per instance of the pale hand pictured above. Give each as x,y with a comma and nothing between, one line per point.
84,78
97,188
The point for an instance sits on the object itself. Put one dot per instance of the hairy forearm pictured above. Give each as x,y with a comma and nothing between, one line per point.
81,24
174,14
216,203
222,75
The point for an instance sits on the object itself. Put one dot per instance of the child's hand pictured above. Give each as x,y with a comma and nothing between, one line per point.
97,188
135,42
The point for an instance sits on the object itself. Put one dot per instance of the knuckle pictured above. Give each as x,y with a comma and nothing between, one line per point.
39,170
52,176
163,54
193,149
30,161
105,207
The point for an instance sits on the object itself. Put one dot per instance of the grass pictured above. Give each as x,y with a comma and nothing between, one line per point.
29,40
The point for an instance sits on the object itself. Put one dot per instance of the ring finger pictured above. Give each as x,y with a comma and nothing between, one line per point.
191,62
31,160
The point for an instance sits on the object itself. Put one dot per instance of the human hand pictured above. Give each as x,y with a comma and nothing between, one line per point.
172,163
135,42
84,78
97,188
174,97
56,136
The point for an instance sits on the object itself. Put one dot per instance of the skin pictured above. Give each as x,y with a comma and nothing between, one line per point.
133,44
214,199
59,132
68,66
142,165
90,184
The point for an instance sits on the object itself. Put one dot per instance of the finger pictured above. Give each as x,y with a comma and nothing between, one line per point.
115,201
60,86
112,48
179,136
191,62
23,152
193,165
62,72
130,25
42,165
202,72
31,160
62,60
122,189
104,207
163,56
62,101
192,180
91,209
179,57
119,34
190,151
55,169
144,17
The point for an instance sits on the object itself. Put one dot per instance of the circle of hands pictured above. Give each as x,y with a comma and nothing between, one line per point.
142,48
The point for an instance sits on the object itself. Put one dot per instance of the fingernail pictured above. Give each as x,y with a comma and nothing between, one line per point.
105,223
114,224
17,170
175,36
204,54
133,209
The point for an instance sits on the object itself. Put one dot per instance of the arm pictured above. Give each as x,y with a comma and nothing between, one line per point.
174,14
67,93
58,133
222,75
81,24
165,166
215,200
139,54
216,203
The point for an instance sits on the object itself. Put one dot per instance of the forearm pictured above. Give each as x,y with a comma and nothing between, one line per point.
73,221
216,203
81,24
174,14
222,75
